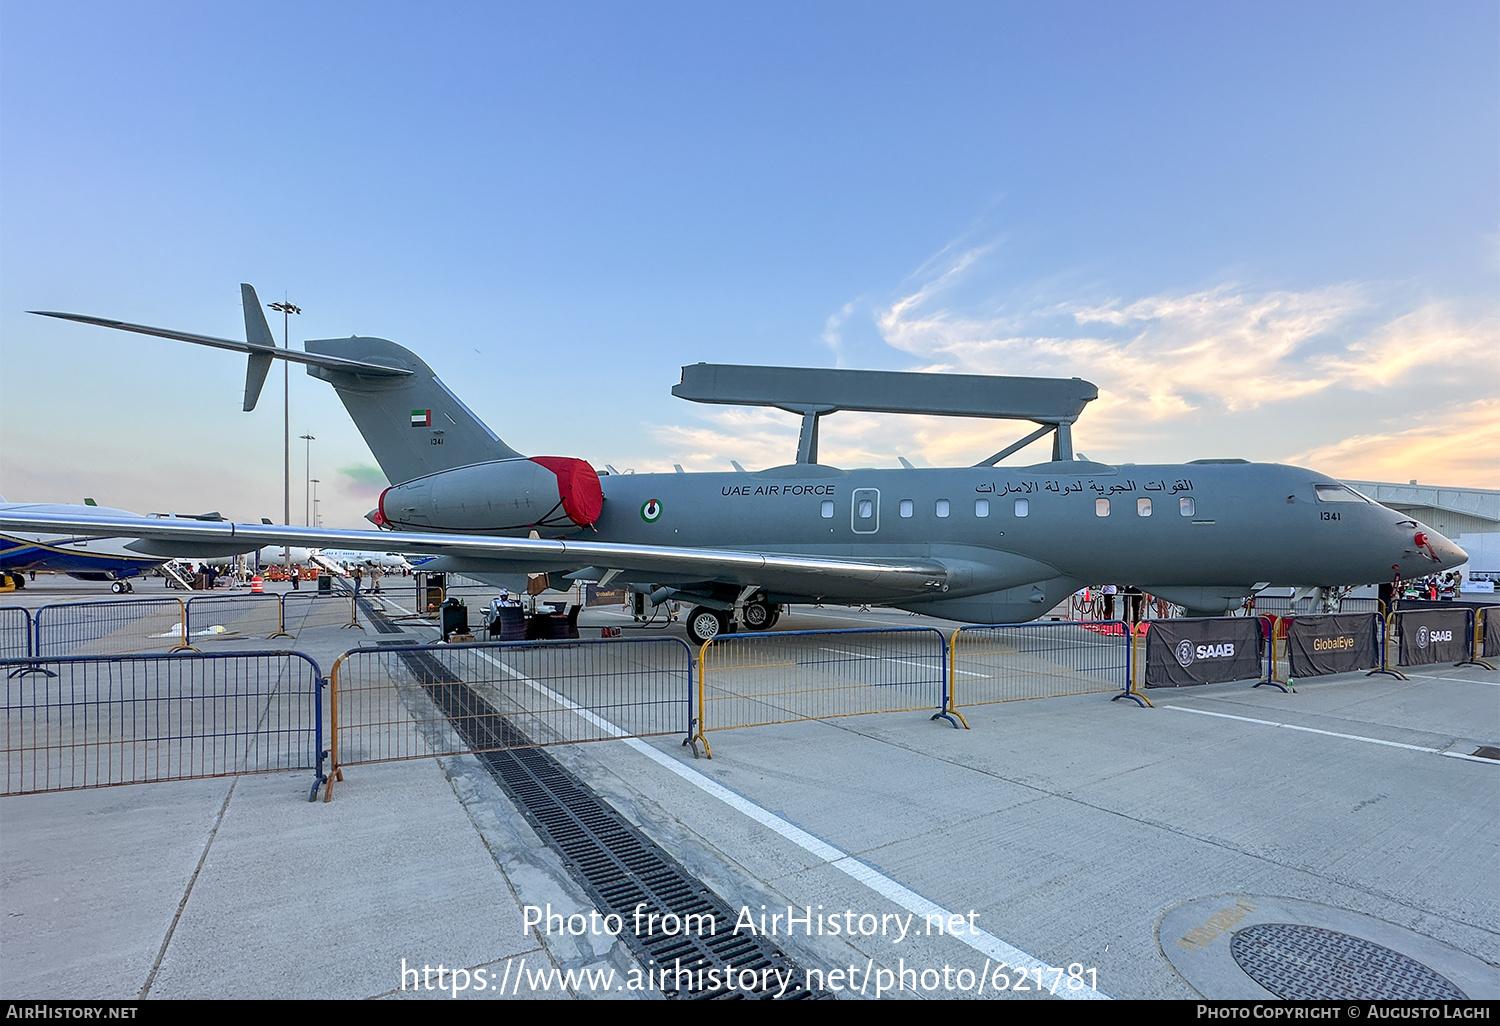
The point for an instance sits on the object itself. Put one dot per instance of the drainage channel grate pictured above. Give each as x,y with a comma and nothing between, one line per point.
1308,963
616,864
383,624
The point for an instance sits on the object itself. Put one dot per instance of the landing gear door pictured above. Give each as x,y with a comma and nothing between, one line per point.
865,510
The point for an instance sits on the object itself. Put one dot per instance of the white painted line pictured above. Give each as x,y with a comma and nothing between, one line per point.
982,941
884,659
1461,680
1331,733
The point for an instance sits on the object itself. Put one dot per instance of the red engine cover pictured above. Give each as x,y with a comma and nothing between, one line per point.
578,487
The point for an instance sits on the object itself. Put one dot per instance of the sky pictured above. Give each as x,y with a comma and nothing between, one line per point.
1264,230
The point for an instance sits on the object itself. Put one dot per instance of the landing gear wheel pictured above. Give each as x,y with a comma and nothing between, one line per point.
757,616
703,624
130,586
117,587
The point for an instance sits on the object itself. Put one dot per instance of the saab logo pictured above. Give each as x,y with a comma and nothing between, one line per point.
1224,651
1424,636
651,511
1184,654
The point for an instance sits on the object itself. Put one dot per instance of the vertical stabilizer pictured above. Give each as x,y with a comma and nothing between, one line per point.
414,425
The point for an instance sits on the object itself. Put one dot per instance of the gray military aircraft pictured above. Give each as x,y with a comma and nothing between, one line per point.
983,544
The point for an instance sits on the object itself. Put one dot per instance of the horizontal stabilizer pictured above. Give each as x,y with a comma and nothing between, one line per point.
273,352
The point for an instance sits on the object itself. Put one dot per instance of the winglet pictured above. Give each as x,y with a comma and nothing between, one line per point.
257,333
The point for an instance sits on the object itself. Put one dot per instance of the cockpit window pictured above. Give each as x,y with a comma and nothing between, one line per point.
1338,493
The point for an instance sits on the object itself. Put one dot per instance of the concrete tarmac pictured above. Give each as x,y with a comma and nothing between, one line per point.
1125,847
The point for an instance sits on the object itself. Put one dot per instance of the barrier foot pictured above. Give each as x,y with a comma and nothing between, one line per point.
280,634
183,648
953,716
336,774
1475,662
1286,688
1389,673
24,670
1136,697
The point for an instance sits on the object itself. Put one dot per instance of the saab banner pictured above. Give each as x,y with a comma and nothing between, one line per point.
1433,636
1180,653
1491,616
1337,643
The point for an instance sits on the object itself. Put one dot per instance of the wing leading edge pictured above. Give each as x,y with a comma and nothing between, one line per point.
881,579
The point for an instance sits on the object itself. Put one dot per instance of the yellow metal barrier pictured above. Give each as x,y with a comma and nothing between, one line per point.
1038,660
749,680
112,628
415,702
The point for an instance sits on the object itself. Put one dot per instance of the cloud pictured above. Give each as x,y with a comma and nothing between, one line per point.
1353,379
1457,445
1279,367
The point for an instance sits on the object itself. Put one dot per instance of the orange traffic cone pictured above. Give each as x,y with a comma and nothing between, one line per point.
256,586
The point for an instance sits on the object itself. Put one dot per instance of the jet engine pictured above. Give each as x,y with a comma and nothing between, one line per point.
556,492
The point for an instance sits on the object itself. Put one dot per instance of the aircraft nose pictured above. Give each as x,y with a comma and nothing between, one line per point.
1448,553
1428,552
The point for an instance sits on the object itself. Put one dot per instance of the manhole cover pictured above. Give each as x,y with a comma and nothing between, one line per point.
1307,963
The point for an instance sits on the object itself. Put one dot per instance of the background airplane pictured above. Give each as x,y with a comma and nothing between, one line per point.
116,559
983,544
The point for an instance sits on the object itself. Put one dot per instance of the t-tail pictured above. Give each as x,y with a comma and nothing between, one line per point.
448,470
411,422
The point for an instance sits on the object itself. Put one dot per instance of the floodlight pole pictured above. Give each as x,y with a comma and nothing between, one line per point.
307,475
286,309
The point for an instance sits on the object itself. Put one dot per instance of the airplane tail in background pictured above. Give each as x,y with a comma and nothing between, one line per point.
412,423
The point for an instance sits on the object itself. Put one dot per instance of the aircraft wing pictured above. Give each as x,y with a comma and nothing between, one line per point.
880,579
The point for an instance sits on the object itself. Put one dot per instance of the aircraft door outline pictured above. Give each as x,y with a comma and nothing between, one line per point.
864,511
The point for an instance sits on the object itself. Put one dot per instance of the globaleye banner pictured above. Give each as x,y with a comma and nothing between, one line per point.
1433,636
1319,645
1180,653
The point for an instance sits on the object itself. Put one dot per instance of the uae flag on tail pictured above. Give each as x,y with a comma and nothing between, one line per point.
421,418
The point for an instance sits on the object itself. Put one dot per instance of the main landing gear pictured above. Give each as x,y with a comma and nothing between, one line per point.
704,623
120,587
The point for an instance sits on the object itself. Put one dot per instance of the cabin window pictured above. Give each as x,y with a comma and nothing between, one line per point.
866,509
1023,507
827,509
1186,506
1143,507
981,507
1101,507
943,507
906,507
